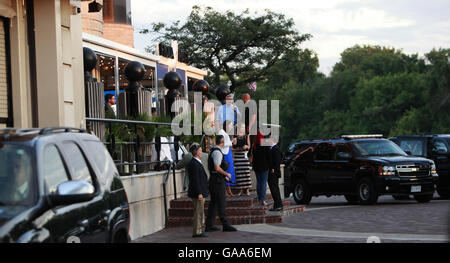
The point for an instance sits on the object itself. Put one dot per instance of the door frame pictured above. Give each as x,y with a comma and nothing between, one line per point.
9,121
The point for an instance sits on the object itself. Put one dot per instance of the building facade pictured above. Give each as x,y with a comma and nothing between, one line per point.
110,34
41,59
113,22
41,63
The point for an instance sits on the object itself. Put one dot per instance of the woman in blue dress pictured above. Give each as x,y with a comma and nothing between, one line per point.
228,155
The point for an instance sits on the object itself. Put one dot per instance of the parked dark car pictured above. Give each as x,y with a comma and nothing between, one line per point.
59,185
360,167
435,147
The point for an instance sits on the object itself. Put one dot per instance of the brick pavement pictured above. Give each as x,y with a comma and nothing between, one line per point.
333,214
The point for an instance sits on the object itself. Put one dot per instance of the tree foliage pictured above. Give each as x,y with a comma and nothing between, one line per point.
372,89
242,47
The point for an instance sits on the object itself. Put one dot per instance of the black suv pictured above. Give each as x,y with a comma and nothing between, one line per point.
360,167
59,185
294,149
435,147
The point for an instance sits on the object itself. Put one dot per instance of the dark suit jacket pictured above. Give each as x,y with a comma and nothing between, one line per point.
275,160
261,158
198,180
109,112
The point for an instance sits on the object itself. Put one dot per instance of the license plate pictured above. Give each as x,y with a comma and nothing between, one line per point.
416,189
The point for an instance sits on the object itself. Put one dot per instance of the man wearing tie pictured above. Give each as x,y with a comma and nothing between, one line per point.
198,188
274,175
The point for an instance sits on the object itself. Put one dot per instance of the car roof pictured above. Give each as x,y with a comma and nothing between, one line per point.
339,140
423,136
30,135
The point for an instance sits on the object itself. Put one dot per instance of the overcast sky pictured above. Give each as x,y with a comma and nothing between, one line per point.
415,26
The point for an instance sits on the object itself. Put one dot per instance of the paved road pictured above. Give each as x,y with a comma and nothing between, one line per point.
333,220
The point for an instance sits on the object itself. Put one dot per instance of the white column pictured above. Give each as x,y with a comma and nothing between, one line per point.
20,65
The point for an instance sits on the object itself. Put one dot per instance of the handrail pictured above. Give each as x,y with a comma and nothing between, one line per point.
111,143
131,122
165,194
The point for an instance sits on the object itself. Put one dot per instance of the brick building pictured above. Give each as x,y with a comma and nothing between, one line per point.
113,22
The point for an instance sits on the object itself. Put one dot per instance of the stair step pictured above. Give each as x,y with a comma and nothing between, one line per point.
238,201
231,211
240,210
234,220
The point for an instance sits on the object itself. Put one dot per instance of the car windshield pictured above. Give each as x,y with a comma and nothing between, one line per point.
16,174
378,148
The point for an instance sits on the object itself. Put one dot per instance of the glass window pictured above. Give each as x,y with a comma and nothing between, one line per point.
325,151
123,82
342,148
54,170
117,11
105,71
439,147
148,81
102,160
16,175
77,164
413,146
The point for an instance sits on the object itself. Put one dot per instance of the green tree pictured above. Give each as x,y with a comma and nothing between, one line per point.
240,46
381,101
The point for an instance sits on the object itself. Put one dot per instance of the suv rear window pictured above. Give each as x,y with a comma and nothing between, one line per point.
54,171
76,163
325,151
102,160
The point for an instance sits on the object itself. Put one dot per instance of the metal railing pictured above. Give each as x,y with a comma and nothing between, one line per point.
131,155
137,144
166,180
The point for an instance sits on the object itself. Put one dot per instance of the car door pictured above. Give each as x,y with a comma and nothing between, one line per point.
63,222
95,212
440,154
321,167
343,170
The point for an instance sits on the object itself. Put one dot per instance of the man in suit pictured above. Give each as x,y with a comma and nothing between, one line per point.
274,175
110,101
218,175
198,188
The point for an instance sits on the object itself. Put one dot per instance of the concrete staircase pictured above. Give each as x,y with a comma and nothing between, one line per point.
240,210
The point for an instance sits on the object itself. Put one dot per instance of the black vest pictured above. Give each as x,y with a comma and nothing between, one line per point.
224,164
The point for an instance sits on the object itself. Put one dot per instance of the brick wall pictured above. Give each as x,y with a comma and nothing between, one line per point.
120,33
92,23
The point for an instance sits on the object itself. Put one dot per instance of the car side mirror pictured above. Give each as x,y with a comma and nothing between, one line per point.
72,192
344,156
408,152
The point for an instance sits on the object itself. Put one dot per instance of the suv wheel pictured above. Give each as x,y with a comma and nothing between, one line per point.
366,192
423,198
351,199
302,194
